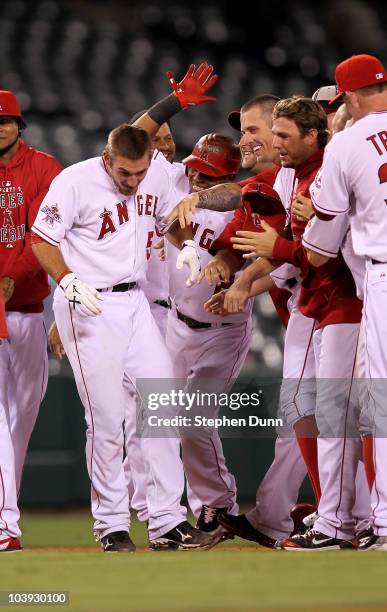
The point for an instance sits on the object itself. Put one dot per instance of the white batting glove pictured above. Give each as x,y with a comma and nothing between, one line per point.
189,255
78,292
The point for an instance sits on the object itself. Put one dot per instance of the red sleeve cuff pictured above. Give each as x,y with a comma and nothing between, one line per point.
283,250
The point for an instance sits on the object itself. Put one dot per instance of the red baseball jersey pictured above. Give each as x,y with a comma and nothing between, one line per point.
24,181
249,218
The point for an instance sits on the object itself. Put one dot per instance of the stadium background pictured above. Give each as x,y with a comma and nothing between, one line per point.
79,68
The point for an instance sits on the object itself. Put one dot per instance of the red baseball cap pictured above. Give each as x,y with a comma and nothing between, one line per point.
9,106
358,71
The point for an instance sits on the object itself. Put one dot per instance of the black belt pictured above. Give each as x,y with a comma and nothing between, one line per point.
120,288
376,261
163,303
193,324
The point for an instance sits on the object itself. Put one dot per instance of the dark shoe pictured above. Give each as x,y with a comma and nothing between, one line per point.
362,536
208,522
298,513
118,541
312,540
240,526
368,540
182,537
9,544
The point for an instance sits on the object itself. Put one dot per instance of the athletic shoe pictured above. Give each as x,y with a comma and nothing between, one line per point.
9,544
373,542
240,526
312,540
118,541
362,536
182,537
208,522
298,513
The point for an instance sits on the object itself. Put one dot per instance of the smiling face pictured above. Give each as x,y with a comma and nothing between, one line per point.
9,132
126,173
293,148
256,134
163,141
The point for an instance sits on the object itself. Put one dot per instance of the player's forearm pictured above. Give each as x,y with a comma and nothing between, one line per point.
316,259
177,235
220,197
260,268
158,114
261,285
230,260
51,259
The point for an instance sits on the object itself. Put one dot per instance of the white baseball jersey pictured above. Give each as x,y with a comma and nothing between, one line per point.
207,225
285,184
353,179
156,284
328,237
106,225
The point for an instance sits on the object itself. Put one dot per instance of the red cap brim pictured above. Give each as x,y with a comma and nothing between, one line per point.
340,95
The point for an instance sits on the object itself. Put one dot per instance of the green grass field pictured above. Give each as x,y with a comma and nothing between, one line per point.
60,555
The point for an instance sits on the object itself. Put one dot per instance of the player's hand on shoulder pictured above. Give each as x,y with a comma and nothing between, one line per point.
7,286
189,256
79,293
55,343
183,211
216,271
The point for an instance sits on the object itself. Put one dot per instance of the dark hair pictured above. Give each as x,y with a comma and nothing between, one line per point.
306,114
128,141
139,114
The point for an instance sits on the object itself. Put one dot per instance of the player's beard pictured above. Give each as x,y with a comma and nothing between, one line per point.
5,150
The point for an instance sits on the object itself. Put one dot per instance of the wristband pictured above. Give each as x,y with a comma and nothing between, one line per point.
164,109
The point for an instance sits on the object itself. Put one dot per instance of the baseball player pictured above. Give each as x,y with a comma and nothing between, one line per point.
206,352
9,515
25,178
327,295
359,189
105,211
285,475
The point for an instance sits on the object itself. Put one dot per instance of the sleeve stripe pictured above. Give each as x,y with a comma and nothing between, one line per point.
44,236
318,249
328,210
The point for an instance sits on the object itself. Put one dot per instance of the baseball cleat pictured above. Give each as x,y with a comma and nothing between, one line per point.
370,541
240,526
298,514
312,540
10,544
362,536
208,522
182,537
118,541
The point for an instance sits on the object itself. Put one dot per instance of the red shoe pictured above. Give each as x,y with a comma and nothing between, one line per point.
9,544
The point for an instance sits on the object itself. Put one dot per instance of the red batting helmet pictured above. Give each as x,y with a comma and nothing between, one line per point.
215,155
10,107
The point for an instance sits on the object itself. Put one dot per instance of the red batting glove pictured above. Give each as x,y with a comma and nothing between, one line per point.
190,91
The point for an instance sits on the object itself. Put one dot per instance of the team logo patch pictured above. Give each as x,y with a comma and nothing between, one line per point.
317,180
52,214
